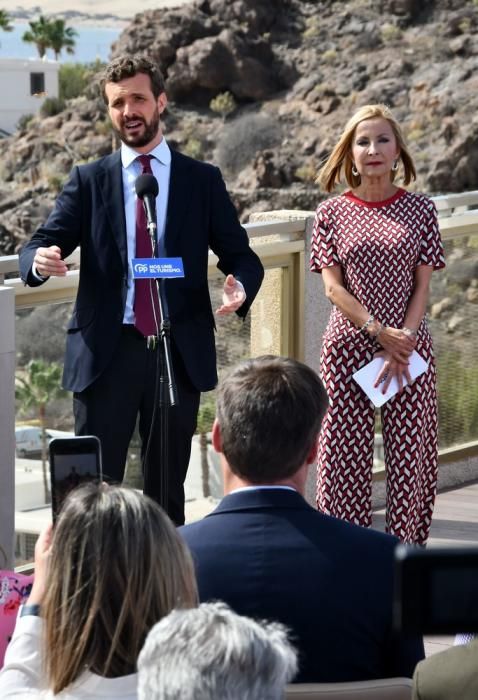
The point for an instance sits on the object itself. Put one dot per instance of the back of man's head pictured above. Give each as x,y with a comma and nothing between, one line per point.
269,411
211,653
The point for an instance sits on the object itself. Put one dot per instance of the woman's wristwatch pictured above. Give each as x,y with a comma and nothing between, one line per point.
33,609
410,332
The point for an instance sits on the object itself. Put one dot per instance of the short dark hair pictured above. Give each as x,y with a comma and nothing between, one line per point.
269,411
129,66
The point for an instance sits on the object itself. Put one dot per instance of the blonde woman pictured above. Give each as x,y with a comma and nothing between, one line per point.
113,567
376,246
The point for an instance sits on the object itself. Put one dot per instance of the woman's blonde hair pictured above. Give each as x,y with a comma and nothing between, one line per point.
341,156
117,566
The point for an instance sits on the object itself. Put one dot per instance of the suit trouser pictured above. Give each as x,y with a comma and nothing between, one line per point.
110,406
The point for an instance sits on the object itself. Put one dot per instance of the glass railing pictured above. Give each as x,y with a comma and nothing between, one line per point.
288,318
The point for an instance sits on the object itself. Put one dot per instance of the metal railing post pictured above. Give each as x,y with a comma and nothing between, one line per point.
7,425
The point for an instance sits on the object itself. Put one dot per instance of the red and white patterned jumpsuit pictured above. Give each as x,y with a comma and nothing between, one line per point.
378,246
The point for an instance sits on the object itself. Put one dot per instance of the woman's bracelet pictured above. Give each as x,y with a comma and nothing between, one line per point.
367,323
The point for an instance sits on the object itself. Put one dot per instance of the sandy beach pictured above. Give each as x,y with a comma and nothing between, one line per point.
121,9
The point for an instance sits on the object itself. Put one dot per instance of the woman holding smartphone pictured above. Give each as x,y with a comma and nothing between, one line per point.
112,567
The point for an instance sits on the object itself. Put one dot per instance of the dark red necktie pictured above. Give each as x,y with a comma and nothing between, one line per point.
144,289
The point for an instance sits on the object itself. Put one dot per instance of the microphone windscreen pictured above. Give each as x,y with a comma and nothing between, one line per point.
146,185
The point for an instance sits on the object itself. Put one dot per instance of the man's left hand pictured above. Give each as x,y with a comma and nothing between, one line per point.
233,296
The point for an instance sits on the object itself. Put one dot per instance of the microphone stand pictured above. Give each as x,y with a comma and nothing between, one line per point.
167,386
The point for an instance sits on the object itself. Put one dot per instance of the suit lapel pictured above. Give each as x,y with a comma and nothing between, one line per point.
178,201
110,183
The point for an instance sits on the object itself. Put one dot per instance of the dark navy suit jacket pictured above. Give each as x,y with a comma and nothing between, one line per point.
270,555
200,215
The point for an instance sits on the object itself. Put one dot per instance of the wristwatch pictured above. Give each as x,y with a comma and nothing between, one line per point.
33,609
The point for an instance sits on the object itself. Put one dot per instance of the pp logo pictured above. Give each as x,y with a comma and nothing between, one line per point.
140,268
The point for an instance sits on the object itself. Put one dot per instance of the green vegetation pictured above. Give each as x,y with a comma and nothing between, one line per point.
193,148
465,25
306,173
50,34
312,28
329,56
457,399
205,419
75,78
56,182
52,106
36,387
5,21
390,33
223,104
24,121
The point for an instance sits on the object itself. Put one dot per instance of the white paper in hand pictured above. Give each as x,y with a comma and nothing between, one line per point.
366,376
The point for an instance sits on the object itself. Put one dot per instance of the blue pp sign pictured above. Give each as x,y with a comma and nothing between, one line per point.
147,268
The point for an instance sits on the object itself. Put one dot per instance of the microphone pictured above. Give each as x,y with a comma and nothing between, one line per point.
147,189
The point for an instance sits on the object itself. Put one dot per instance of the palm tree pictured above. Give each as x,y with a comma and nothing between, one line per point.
39,34
61,37
5,21
35,388
205,419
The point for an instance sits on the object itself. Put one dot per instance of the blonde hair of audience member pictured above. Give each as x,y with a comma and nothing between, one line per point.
117,566
212,653
340,158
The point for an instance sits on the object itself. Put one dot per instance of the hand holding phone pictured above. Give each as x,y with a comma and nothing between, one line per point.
73,461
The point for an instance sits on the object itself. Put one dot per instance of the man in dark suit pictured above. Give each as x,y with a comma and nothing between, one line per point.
268,554
111,360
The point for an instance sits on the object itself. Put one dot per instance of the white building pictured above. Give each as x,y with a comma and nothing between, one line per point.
24,85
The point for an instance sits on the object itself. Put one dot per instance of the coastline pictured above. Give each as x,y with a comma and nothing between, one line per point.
97,13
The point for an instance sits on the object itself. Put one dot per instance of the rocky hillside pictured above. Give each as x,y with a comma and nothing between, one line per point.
296,70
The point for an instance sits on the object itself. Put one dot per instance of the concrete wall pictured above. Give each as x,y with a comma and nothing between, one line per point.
17,99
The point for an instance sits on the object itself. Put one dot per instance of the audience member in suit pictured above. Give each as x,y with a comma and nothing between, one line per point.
212,653
268,554
111,359
449,675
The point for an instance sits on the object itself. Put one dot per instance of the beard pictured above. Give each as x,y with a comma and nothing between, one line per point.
150,131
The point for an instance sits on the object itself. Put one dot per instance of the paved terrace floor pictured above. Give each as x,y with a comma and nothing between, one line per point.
455,523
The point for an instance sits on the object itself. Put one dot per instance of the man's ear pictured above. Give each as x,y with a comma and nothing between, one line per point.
216,436
162,102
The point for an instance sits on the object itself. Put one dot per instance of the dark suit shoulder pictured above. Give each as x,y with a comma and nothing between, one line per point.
104,163
324,530
191,163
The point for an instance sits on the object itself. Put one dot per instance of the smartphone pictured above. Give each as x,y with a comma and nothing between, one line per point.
73,461
436,590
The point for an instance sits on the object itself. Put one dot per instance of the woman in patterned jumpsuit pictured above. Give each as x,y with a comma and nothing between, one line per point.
376,246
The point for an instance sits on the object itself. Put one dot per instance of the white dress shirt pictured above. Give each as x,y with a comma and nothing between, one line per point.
131,169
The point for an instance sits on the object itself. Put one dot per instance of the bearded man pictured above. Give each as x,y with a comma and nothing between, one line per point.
111,359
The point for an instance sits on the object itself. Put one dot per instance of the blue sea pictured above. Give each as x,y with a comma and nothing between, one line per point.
91,43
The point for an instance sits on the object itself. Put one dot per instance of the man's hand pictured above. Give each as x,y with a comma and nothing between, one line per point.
233,296
48,262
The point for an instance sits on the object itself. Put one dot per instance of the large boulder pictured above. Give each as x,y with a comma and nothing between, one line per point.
231,61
